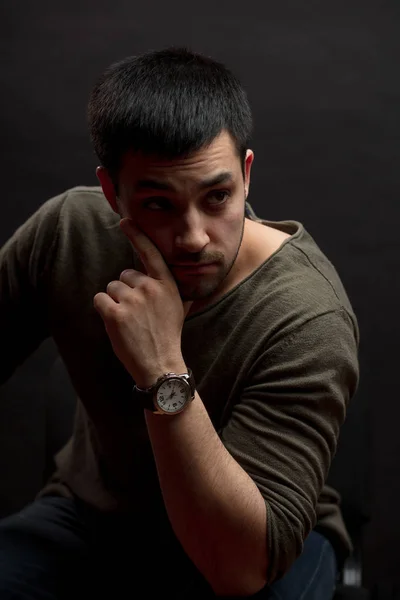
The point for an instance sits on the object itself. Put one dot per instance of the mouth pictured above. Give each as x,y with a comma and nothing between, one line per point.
194,268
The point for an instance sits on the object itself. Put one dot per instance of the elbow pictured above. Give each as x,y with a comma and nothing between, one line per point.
239,585
242,580
261,566
286,541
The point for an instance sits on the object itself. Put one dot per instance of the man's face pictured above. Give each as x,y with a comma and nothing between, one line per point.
196,223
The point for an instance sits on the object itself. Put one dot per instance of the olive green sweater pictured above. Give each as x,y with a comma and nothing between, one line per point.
275,361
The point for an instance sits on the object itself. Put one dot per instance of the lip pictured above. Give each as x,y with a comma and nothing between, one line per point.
195,268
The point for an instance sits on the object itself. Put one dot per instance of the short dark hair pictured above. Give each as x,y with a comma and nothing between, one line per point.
168,103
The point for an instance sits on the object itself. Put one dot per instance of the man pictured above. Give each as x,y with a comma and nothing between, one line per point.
213,354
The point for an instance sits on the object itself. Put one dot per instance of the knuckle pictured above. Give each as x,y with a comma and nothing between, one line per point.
111,311
111,285
149,286
116,315
126,274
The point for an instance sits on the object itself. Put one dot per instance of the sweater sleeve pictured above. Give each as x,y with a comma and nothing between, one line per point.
24,262
285,428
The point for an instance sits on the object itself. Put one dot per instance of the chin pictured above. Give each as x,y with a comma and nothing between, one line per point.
196,292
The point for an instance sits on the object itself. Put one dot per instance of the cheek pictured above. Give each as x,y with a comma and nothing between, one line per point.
230,229
161,238
155,231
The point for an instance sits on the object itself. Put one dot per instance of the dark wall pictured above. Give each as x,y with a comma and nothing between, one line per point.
324,86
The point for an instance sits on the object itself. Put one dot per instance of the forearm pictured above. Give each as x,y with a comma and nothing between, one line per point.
215,508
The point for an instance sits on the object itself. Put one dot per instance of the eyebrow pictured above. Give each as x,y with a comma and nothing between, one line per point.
154,184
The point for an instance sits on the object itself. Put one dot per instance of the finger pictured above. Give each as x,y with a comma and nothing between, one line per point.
150,255
118,290
132,278
103,304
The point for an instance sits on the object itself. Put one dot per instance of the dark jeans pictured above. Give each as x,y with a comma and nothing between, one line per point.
59,549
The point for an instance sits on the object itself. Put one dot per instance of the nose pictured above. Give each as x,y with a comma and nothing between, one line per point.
191,235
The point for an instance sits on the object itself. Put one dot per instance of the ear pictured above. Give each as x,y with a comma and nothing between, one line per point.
108,187
247,169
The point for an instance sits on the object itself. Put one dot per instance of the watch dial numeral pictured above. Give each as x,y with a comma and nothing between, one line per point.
172,395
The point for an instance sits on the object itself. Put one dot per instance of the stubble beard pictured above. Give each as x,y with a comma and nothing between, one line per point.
204,287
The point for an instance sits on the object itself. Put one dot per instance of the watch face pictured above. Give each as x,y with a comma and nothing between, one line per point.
172,395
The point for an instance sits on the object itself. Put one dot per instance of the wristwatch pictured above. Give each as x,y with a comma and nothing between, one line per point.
169,395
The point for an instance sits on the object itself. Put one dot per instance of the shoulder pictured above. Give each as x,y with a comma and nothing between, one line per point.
79,208
88,249
89,228
295,285
78,231
81,203
86,223
299,280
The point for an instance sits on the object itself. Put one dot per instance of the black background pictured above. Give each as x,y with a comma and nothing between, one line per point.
323,82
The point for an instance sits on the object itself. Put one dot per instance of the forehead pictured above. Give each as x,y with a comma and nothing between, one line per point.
208,162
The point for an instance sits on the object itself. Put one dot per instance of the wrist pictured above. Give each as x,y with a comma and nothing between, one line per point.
170,393
148,378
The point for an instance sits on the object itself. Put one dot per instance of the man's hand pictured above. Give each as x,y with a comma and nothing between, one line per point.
144,314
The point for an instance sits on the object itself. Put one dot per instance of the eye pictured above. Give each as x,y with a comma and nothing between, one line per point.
156,204
220,196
